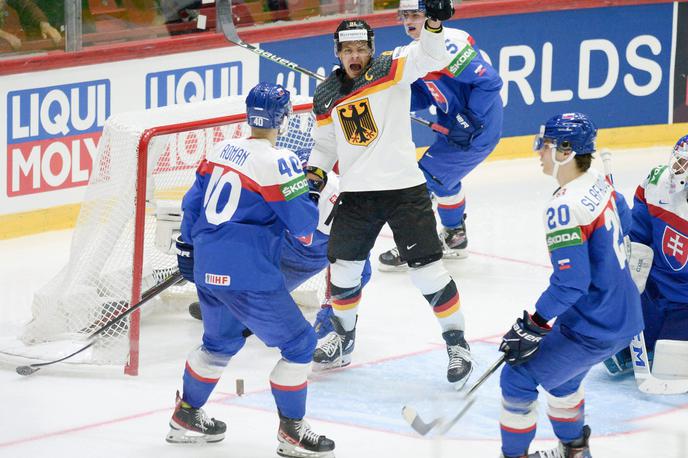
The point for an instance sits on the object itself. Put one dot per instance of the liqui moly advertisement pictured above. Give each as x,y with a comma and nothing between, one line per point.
52,135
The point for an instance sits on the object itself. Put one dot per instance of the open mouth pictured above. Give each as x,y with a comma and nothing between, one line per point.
355,68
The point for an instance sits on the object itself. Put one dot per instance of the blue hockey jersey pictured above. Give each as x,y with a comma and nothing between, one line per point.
660,220
473,87
246,194
591,290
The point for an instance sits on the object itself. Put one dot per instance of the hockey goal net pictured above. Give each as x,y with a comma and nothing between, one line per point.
146,161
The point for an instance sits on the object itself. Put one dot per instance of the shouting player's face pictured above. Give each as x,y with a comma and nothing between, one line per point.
355,56
413,22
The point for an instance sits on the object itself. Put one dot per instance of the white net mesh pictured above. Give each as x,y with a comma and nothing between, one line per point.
96,284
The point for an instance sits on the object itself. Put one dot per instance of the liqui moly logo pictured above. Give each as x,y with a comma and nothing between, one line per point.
52,135
193,84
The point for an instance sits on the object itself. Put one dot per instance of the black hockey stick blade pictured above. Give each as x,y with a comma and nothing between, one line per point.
172,280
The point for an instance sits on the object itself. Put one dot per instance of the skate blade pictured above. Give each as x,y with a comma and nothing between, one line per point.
289,450
459,384
184,436
455,254
388,268
336,364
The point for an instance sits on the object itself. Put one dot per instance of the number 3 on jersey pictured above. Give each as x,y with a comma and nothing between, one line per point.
218,180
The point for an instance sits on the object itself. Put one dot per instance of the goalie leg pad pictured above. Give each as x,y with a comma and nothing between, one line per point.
671,359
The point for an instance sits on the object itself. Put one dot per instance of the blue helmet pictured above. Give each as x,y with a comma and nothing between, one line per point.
569,131
268,106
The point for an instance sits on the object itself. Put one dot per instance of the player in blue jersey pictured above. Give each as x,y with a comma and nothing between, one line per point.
247,194
466,97
660,229
591,295
299,262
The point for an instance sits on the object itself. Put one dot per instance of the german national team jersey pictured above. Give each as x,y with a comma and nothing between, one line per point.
245,195
660,220
475,88
367,127
591,290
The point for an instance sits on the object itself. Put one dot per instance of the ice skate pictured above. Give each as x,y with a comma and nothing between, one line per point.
391,261
192,426
460,365
297,439
454,241
576,449
195,310
335,351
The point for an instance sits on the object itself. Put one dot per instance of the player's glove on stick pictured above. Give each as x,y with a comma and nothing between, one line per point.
439,10
523,339
317,179
465,129
185,259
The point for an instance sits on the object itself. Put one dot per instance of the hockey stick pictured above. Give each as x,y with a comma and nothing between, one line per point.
648,383
148,295
226,24
421,427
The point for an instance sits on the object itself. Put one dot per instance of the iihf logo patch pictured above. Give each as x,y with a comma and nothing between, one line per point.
675,248
440,99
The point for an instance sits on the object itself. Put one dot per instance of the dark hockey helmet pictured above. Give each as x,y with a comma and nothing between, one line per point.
568,131
268,106
678,164
354,30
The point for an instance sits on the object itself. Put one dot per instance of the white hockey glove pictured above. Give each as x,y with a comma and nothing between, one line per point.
168,215
640,263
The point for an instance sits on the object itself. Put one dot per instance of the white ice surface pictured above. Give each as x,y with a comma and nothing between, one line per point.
399,357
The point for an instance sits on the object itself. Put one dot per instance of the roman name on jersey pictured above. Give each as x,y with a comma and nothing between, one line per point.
233,153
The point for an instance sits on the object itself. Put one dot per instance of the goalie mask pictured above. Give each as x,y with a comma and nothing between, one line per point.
567,132
678,165
268,107
353,30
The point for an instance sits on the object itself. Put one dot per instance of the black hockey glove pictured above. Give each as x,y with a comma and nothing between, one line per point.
317,179
464,130
523,340
185,259
439,10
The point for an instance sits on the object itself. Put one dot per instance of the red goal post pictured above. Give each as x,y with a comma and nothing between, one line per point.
146,160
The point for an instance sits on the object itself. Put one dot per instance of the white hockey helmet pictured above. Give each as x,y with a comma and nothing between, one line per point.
678,166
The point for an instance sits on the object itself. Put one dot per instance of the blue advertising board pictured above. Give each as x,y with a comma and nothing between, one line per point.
612,63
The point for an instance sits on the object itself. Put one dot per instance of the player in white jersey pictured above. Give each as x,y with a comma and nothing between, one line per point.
362,122
660,229
591,295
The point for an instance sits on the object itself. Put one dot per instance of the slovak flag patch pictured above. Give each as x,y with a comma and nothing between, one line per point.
675,248
564,264
441,100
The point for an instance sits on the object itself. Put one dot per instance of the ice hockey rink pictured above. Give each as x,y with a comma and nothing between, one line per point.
399,359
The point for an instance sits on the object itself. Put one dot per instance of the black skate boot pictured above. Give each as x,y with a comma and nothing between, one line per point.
391,261
454,241
460,365
195,310
575,449
192,426
335,351
296,439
